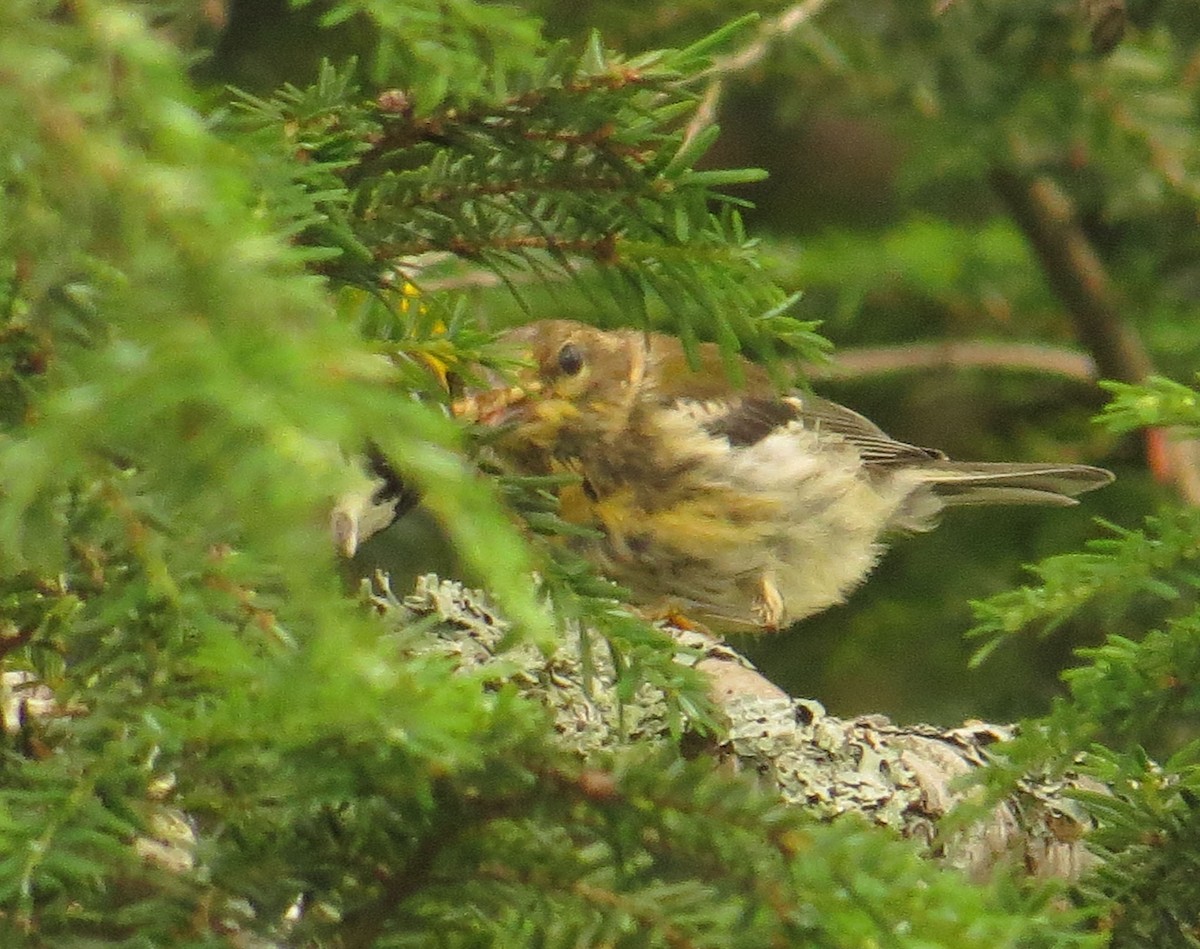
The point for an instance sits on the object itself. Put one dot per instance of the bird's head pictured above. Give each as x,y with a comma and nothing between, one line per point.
577,383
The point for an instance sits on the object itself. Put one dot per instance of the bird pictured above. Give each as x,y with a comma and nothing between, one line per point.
740,507
378,499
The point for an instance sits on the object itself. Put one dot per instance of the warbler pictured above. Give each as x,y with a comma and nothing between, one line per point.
738,507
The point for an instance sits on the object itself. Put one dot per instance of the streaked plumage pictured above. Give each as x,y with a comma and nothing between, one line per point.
738,507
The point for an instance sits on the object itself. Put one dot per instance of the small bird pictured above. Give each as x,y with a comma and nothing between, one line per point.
380,499
738,507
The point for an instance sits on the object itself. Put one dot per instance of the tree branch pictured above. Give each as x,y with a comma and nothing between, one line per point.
967,354
1075,272
768,33
904,777
1079,278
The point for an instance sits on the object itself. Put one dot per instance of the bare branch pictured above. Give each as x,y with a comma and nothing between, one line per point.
968,354
1075,272
768,33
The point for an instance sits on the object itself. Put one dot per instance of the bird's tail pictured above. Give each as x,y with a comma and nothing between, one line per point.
981,482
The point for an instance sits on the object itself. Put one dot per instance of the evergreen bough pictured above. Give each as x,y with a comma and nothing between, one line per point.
207,315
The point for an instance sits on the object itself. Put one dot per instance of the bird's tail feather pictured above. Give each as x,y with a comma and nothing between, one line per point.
980,482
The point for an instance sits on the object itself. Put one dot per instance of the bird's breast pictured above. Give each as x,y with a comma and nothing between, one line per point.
701,523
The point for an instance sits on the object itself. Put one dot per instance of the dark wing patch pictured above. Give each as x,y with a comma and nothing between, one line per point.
875,445
394,487
748,421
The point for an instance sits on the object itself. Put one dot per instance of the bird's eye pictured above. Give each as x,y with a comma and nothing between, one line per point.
570,359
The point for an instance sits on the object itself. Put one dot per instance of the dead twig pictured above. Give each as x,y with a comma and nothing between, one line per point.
768,33
957,355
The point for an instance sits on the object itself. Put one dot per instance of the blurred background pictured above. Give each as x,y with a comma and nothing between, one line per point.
988,210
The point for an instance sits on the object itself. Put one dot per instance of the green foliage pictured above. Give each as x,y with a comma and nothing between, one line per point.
579,166
458,51
1129,695
1149,830
1157,401
198,329
1157,561
203,317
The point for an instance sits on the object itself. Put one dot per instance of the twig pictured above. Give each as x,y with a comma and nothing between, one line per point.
789,21
972,354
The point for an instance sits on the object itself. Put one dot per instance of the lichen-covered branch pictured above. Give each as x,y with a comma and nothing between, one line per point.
907,778
904,777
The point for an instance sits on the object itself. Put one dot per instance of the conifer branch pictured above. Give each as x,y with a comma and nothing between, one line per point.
1072,267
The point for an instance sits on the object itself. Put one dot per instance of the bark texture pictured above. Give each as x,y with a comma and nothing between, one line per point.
907,777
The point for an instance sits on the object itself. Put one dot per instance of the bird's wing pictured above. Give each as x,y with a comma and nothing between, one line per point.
875,445
747,420
743,421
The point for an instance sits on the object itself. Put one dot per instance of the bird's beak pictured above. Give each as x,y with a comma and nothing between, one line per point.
495,407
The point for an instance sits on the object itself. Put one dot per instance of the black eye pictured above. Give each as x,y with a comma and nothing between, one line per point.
570,359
